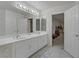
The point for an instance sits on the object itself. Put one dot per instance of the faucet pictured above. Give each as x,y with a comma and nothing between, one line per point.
18,36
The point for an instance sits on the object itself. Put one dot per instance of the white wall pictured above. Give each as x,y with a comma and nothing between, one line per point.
47,14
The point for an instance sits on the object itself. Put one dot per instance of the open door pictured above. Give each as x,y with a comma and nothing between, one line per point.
72,31
57,29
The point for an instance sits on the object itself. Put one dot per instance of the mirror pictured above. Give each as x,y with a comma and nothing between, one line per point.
43,24
25,24
14,21
37,24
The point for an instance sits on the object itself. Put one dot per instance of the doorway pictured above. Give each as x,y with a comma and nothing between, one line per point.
58,29
30,25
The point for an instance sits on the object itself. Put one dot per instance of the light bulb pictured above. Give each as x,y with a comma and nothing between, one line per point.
20,5
24,7
27,9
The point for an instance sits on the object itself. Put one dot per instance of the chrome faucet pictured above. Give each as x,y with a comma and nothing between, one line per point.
18,36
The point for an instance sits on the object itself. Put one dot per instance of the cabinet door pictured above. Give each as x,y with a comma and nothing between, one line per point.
7,51
37,43
26,48
33,45
22,49
43,40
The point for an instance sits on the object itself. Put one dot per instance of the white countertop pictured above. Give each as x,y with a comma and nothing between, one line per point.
7,40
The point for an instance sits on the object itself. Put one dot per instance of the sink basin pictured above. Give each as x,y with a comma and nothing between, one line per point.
29,34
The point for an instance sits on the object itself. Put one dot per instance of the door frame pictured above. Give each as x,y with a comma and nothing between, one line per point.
52,24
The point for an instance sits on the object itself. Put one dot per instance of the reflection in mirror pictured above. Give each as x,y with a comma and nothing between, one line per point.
30,25
15,21
22,25
43,24
12,23
7,22
25,24
37,24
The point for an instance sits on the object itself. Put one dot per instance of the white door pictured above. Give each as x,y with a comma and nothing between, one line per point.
71,35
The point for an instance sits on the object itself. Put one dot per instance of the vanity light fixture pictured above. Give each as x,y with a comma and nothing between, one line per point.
20,6
26,9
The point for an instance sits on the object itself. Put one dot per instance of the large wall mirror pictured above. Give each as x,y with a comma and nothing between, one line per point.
25,24
41,24
13,23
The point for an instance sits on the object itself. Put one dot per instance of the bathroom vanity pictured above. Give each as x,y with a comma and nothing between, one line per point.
14,21
23,46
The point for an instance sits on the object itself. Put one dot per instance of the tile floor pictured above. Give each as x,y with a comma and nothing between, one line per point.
56,51
52,52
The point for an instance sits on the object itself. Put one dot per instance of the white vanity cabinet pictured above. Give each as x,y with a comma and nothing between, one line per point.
23,48
27,47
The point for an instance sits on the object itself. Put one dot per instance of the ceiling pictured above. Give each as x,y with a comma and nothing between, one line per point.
40,5
43,5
